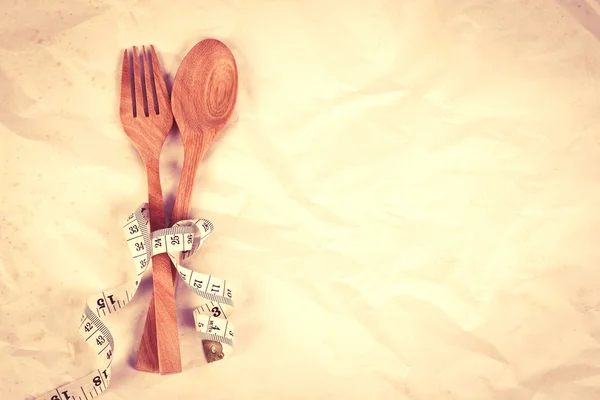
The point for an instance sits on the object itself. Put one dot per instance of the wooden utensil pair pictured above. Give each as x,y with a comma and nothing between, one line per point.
203,99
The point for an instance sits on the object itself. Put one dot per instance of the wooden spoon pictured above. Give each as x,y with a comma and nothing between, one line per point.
203,98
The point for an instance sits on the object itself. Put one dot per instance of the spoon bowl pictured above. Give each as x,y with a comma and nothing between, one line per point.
205,91
203,99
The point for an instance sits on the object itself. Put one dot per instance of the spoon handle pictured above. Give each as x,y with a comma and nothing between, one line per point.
191,161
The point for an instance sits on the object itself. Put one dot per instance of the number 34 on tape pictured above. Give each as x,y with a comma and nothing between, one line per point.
180,242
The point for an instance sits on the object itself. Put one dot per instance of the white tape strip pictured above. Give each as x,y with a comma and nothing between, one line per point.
180,242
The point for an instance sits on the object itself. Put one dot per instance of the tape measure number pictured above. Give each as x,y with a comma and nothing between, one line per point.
180,242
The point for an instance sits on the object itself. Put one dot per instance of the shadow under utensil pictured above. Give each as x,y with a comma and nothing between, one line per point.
144,292
169,79
186,317
169,204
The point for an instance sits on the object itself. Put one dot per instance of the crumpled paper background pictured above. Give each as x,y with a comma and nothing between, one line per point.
406,199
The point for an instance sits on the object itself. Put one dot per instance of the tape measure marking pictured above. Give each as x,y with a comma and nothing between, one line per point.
180,242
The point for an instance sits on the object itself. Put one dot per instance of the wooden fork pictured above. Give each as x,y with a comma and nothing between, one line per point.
147,118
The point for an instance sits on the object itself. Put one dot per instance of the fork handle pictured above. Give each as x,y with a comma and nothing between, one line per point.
165,316
164,346
147,358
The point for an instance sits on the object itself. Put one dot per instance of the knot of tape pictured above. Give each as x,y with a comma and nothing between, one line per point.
180,242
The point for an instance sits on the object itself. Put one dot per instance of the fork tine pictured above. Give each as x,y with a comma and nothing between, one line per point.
150,91
126,100
137,78
162,96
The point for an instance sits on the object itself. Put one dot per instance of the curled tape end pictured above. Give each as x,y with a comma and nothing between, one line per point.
215,351
179,242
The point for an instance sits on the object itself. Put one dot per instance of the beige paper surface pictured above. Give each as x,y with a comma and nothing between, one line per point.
407,197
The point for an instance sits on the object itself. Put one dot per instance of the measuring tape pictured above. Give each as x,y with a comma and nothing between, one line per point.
180,242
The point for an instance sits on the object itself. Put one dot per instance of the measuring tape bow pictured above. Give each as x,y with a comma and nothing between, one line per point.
180,242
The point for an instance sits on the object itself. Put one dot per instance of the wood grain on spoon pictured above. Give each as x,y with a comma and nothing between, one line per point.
203,99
